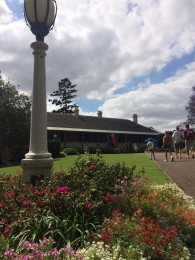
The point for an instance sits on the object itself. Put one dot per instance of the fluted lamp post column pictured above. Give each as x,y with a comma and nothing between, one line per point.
40,17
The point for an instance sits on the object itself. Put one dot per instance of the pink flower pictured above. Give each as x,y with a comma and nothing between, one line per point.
88,206
39,193
10,254
30,187
62,190
26,202
1,205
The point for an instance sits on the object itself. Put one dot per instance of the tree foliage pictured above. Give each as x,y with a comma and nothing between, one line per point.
64,96
14,115
191,107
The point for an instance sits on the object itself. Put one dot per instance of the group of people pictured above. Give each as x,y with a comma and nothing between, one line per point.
178,141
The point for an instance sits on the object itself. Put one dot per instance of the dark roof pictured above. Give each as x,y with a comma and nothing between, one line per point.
56,121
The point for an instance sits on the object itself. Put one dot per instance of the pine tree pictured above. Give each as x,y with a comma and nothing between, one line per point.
191,107
65,93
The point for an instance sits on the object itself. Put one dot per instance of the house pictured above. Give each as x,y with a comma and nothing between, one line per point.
79,131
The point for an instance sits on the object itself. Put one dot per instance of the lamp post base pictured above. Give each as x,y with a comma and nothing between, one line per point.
35,170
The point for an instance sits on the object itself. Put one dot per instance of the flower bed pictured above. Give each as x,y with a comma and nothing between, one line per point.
95,211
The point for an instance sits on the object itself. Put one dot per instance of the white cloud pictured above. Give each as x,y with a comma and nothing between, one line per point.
160,105
101,45
5,13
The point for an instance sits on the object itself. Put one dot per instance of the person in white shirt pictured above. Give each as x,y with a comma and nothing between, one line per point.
150,146
178,140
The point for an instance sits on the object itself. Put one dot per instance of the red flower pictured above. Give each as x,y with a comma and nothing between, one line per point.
106,237
10,194
1,205
108,198
92,167
6,231
37,202
3,221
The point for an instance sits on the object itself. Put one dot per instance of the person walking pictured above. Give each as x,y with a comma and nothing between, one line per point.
167,145
193,146
178,141
188,136
151,146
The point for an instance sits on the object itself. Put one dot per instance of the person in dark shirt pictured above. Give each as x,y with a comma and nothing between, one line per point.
167,145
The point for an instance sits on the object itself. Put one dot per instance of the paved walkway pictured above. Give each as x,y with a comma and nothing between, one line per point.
181,171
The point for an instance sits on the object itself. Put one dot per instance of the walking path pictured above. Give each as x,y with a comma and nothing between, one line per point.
181,171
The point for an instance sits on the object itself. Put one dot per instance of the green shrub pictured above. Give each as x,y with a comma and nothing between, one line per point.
62,154
106,150
70,151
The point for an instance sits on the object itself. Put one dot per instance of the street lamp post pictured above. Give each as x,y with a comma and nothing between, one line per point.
40,17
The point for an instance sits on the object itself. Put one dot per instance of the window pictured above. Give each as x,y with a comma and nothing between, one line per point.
90,137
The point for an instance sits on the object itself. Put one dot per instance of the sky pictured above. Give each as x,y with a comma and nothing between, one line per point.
126,57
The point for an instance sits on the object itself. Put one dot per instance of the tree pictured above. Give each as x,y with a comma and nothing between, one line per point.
65,93
14,116
191,107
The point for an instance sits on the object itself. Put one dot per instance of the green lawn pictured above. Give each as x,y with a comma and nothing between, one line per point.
152,171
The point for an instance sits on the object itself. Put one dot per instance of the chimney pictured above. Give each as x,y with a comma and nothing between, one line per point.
99,113
135,118
76,111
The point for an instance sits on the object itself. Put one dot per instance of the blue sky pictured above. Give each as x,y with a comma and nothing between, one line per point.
137,57
16,8
155,77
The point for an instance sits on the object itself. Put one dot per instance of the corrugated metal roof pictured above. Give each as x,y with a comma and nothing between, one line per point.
65,122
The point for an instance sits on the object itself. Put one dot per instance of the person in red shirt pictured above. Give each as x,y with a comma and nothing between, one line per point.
188,136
